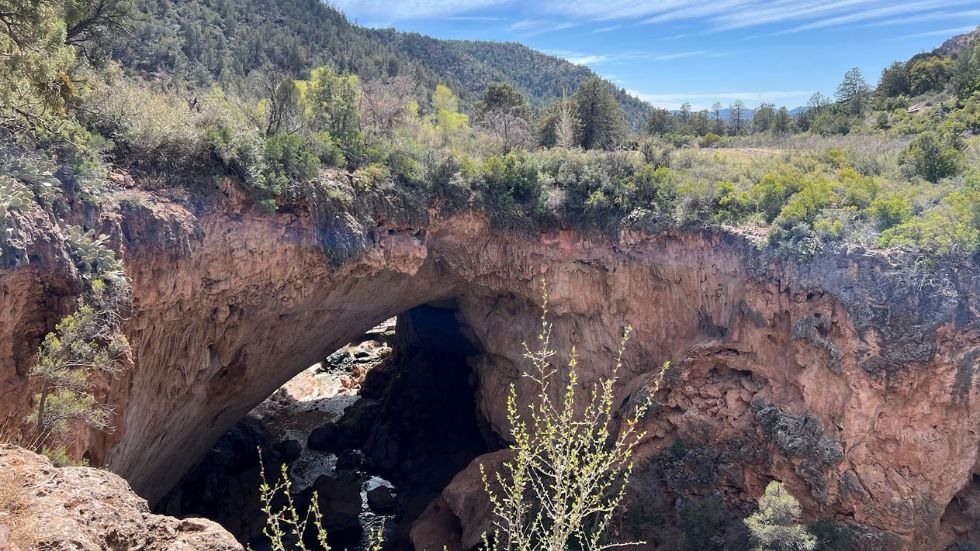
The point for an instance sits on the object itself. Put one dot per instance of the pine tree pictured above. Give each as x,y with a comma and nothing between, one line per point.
853,91
600,115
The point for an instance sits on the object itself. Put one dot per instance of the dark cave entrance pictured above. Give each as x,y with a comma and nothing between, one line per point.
378,456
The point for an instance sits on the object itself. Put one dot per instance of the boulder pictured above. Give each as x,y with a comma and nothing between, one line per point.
86,509
381,500
339,498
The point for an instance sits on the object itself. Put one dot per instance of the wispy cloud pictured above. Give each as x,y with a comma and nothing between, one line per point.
617,57
413,9
474,18
580,58
719,15
680,55
941,32
607,29
702,100
870,15
531,27
923,17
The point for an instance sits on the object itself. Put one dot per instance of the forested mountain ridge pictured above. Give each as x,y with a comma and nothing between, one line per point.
203,41
475,64
207,41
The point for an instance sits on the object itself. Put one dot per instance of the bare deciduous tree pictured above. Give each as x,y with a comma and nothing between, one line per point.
565,123
513,131
384,103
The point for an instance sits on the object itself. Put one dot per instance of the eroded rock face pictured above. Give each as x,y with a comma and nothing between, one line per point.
84,509
842,375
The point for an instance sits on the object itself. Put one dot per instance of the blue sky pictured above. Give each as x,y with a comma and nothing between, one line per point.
673,51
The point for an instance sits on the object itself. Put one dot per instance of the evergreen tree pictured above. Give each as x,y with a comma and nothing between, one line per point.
503,97
736,117
600,115
37,66
894,80
764,118
853,91
659,122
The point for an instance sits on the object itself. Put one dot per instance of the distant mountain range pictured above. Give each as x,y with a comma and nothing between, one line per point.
207,41
475,64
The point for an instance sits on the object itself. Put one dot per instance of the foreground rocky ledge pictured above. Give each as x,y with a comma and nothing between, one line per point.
86,509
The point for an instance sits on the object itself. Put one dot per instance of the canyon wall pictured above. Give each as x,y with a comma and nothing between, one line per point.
848,375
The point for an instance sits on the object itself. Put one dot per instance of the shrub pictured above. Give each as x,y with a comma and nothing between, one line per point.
290,157
653,188
372,177
285,523
771,192
510,181
710,140
406,165
148,127
829,227
702,520
930,157
655,153
951,228
773,527
831,122
570,468
891,211
856,190
804,206
832,536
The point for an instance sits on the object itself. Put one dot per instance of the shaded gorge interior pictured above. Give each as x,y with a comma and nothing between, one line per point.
377,430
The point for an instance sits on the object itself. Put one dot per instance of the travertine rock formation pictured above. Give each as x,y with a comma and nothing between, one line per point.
85,509
848,375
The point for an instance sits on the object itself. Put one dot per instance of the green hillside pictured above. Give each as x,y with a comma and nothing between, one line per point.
203,41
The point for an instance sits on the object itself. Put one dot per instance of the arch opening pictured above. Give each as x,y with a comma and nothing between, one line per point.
378,429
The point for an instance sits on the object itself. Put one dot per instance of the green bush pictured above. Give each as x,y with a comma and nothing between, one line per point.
510,181
148,127
832,535
828,228
953,227
855,189
891,210
930,157
804,206
374,176
655,152
407,166
710,140
771,192
652,188
290,157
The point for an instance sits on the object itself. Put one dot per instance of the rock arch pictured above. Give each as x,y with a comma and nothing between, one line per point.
857,386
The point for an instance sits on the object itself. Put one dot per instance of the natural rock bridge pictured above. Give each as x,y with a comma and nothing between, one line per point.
835,374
